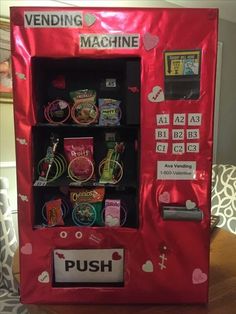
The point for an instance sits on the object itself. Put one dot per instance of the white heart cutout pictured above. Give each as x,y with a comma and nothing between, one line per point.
156,94
44,277
90,19
190,204
147,267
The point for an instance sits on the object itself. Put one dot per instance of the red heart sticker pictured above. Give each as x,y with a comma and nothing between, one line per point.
59,82
116,256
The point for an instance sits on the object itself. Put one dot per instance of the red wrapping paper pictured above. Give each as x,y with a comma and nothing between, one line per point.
185,245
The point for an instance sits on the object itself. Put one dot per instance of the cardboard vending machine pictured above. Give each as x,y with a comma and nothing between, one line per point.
113,118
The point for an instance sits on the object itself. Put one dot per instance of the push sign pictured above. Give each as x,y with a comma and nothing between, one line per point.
89,266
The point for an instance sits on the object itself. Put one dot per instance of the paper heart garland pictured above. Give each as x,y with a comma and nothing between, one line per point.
147,267
156,94
89,19
198,276
150,41
190,204
164,197
26,249
43,277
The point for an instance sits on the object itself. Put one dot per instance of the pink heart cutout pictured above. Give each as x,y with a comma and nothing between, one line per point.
198,276
116,256
150,41
164,197
26,249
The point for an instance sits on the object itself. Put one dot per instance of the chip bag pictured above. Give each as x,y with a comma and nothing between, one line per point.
111,168
84,111
54,213
86,198
79,153
110,112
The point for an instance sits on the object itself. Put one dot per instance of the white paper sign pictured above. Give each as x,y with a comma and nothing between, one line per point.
163,119
178,148
193,134
179,119
109,41
161,147
176,170
178,134
89,266
161,134
192,148
52,19
194,119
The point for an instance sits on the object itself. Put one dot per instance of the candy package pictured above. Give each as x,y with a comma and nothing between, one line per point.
79,153
111,168
112,213
87,205
54,213
110,112
84,111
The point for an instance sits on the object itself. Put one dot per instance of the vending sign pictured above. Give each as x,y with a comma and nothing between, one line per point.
89,266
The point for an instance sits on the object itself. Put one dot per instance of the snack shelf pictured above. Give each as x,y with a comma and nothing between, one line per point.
95,126
66,182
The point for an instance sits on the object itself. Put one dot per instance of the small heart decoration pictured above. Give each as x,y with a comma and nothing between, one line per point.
148,267
24,198
190,204
44,277
164,197
116,256
26,249
62,104
59,82
198,276
89,19
21,76
156,95
150,41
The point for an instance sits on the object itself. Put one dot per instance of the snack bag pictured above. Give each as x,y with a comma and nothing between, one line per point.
84,110
54,213
79,153
110,168
87,204
110,112
48,160
112,213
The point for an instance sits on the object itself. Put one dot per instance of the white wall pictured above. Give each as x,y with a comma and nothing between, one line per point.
226,148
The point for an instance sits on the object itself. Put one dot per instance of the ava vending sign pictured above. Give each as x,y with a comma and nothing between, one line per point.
89,266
